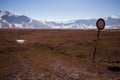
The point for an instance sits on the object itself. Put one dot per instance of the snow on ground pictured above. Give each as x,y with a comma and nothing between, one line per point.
20,40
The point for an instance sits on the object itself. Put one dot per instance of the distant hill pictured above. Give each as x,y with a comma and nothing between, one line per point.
11,20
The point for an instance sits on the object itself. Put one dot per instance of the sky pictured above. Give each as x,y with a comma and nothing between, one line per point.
62,10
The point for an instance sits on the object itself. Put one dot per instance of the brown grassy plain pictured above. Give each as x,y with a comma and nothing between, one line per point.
59,55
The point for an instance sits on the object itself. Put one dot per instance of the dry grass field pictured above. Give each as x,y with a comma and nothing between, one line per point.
59,55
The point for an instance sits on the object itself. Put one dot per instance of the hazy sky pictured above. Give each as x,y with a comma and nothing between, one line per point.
62,10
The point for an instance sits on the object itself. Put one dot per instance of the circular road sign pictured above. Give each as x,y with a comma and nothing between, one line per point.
100,24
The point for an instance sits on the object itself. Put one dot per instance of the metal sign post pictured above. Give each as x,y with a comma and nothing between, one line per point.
100,26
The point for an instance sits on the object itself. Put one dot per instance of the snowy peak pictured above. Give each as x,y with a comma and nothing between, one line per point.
10,20
3,13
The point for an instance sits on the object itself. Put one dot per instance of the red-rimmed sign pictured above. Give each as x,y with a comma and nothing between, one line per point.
100,24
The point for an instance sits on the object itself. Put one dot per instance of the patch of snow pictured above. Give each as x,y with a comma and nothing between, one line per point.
18,25
115,17
20,41
30,21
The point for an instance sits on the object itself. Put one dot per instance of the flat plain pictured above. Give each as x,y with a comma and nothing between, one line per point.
59,54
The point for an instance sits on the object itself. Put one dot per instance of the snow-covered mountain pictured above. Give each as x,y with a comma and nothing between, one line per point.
75,24
10,20
112,22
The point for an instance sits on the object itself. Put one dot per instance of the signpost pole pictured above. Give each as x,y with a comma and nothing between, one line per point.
95,49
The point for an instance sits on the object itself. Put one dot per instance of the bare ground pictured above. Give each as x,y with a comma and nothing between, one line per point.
59,55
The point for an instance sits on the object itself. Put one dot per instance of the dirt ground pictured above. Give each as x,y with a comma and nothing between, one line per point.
59,54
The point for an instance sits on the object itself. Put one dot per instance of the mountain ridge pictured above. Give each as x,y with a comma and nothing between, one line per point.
11,20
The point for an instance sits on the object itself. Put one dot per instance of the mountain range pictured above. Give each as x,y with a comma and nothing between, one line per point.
11,20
